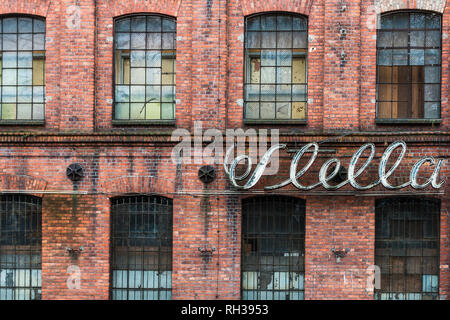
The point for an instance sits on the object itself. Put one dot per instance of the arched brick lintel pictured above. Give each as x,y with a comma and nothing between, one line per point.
32,7
138,185
121,8
383,6
22,184
250,7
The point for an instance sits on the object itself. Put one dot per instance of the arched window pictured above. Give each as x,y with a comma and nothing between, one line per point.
141,248
22,68
273,247
407,248
20,247
145,52
276,48
409,66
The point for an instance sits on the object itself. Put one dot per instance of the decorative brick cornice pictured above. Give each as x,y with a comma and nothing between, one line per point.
123,185
11,183
33,7
256,6
428,5
124,7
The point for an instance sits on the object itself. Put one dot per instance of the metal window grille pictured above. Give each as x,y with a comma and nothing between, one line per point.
145,68
407,248
141,248
22,68
273,246
276,48
409,66
20,247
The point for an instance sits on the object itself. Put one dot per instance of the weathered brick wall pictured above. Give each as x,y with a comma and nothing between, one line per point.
122,160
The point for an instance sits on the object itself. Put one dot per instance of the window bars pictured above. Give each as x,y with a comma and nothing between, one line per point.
407,248
145,68
22,68
20,247
141,238
273,244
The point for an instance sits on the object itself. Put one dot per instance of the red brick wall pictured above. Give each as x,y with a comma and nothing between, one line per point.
122,160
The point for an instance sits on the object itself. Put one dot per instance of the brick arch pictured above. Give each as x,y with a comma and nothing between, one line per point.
11,182
124,7
33,7
257,6
138,184
383,6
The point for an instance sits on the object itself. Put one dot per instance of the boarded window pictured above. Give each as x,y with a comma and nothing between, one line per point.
141,248
145,68
276,80
22,68
273,244
407,248
409,66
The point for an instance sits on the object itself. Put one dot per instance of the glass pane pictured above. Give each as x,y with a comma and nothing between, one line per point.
10,42
433,21
9,77
417,21
25,25
400,57
137,111
138,24
432,56
168,41
39,41
10,25
300,40
283,110
432,110
417,57
24,112
252,110
153,58
137,94
268,57
299,92
284,22
138,40
25,60
24,94
123,41
123,25
267,110
38,25
122,111
9,111
267,74
284,40
253,23
268,22
153,41
269,40
284,57
417,38
284,75
299,23
169,25
400,20
252,93
385,39
153,111
122,93
284,92
267,92
154,24
38,94
253,40
153,93
433,39
432,74
386,22
384,57
168,94
432,92
38,114
400,39
137,58
167,111
153,76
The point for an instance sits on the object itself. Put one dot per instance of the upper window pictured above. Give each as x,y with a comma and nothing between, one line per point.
145,68
409,66
275,67
22,68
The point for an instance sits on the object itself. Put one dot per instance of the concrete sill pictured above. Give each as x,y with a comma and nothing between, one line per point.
275,122
408,121
22,122
144,122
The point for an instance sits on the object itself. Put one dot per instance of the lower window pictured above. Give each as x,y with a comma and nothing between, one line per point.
407,248
141,248
273,245
20,247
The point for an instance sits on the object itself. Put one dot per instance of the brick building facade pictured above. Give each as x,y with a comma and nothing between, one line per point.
131,160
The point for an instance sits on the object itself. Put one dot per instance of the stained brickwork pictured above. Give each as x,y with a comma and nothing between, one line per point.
121,160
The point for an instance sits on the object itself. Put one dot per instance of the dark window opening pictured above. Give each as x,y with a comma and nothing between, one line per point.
141,248
273,245
407,248
20,247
